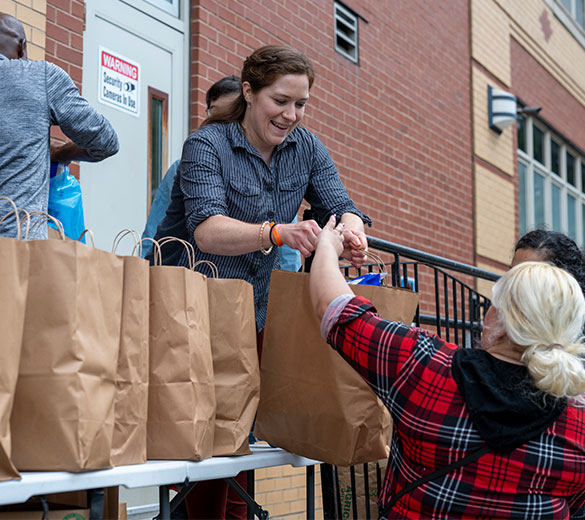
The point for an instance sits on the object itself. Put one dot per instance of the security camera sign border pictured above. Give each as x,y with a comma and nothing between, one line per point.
119,82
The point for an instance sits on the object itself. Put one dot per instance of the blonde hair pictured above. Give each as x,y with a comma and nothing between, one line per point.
542,308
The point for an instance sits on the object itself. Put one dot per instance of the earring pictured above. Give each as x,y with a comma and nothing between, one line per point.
249,104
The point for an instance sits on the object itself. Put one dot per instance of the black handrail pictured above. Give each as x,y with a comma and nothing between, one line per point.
430,259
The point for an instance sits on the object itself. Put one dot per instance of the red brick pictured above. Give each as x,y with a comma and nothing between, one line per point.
536,87
63,5
73,56
69,22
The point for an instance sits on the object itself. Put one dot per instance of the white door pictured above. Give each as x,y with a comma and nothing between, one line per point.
135,74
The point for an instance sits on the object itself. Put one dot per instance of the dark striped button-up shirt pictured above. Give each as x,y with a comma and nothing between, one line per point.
222,174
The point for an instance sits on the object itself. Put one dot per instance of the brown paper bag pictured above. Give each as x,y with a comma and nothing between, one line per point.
353,492
181,398
63,414
131,402
14,260
312,402
14,265
235,363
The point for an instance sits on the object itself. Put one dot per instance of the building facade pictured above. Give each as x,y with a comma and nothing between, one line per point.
401,100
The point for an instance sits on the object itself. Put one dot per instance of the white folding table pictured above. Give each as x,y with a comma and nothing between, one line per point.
159,473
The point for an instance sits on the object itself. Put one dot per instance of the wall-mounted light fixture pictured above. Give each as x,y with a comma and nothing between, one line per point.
503,109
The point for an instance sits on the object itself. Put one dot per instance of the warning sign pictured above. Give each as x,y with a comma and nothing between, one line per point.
119,82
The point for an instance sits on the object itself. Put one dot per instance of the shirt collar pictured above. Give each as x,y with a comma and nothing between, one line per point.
238,140
2,57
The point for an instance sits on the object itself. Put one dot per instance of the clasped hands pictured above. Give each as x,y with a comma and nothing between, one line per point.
350,244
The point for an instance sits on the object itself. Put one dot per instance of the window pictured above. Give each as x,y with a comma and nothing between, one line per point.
170,6
576,9
346,32
571,13
158,138
551,182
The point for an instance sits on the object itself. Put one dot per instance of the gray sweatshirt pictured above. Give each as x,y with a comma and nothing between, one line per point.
33,96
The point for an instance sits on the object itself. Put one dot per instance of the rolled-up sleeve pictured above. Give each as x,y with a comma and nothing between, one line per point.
202,183
326,192
78,120
375,347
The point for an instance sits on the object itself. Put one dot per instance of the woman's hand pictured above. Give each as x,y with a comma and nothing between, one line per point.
355,245
300,235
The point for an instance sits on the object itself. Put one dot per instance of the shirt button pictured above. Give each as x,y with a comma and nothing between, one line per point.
270,214
269,187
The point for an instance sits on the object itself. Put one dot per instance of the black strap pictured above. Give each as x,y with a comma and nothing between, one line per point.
432,476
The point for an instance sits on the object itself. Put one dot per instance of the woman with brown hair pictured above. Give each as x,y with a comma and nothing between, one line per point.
240,183
245,172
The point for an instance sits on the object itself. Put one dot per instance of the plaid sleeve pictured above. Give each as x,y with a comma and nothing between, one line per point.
375,347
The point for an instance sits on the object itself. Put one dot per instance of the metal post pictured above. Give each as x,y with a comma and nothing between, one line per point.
250,490
165,505
310,492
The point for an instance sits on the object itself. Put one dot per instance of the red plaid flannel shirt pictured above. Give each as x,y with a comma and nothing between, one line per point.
410,370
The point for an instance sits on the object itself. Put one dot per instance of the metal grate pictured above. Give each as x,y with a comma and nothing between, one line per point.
346,32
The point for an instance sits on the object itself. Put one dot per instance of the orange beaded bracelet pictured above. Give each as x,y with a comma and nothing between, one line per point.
274,233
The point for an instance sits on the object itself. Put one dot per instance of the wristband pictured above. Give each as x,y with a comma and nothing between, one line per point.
274,233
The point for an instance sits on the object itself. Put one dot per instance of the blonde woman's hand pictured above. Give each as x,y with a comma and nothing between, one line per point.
332,236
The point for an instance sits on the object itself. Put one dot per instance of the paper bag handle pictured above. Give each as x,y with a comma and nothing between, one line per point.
125,232
190,250
381,267
89,233
45,217
211,265
17,218
157,257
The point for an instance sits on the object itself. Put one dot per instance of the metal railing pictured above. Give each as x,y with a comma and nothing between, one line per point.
450,306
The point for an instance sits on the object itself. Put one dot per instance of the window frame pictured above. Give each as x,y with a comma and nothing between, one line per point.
344,15
568,18
163,98
532,167
171,7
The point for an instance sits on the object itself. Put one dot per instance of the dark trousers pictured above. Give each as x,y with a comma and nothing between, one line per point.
216,500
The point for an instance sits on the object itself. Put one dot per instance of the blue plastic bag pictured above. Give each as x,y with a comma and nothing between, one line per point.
368,279
65,203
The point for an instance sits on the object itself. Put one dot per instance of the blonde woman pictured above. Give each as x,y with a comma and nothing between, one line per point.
496,432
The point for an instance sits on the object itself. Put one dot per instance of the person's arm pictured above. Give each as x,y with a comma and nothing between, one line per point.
326,281
374,347
205,184
65,153
93,137
222,235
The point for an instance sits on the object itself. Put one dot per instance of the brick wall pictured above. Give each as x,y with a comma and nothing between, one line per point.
397,125
537,87
65,23
32,15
